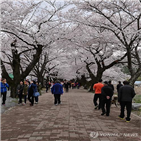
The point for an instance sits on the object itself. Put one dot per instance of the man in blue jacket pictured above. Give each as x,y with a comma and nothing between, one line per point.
4,87
57,90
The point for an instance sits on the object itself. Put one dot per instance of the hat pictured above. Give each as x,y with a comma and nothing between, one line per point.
105,82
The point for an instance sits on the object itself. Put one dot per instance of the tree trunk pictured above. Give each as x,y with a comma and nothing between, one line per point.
94,81
13,85
13,91
135,77
40,79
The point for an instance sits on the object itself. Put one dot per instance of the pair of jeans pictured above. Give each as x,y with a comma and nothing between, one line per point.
3,97
57,98
106,102
25,96
96,97
128,106
36,99
20,98
46,89
31,99
67,89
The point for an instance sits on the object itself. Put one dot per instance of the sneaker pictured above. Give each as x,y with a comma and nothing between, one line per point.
3,104
31,104
120,117
102,114
127,120
96,106
56,104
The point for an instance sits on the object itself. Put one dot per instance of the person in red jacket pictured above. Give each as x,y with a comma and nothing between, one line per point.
97,88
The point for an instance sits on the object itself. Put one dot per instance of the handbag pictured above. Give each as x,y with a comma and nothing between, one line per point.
36,94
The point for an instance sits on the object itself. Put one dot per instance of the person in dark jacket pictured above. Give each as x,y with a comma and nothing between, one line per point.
3,87
119,85
38,90
125,96
20,91
57,90
106,96
111,85
47,86
31,90
66,86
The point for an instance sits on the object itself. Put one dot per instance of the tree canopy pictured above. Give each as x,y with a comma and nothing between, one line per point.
95,39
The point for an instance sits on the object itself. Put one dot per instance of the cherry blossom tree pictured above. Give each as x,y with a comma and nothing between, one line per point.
92,51
27,28
70,38
118,18
46,66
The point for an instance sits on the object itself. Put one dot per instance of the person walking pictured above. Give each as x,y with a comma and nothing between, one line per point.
111,85
97,88
125,96
25,91
31,91
106,96
78,85
39,91
57,91
3,86
66,86
47,86
20,91
119,85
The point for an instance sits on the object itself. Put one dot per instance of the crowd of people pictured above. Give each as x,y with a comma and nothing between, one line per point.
66,85
102,92
26,89
30,89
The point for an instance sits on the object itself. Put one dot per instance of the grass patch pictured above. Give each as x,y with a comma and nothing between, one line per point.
137,112
15,100
137,99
